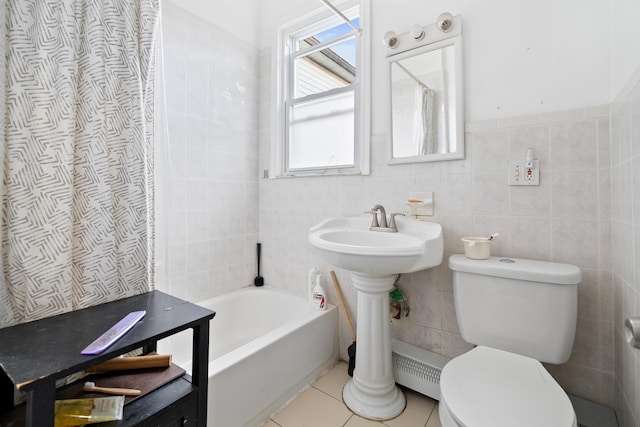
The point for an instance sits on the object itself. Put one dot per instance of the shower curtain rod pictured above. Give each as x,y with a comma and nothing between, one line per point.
417,80
341,15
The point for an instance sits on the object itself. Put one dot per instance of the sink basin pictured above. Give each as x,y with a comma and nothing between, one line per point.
348,243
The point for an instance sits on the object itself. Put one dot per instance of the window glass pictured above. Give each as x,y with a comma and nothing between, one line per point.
325,69
322,32
324,131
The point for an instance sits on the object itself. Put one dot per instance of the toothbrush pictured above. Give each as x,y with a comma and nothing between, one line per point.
91,386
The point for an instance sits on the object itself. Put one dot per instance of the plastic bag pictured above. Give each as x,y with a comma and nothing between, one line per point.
77,412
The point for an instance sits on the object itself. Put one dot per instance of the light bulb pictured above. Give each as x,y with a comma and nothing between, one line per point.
445,22
417,32
390,39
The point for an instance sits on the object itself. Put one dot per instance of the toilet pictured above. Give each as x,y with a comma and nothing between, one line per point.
518,313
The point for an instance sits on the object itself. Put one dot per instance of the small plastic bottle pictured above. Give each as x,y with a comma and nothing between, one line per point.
319,301
311,282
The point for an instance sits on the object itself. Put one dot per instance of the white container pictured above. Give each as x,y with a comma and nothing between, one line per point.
319,301
311,282
477,247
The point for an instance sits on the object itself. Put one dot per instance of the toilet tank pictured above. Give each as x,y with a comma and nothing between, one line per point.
522,306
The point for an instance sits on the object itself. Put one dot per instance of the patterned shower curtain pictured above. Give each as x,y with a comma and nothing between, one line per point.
76,128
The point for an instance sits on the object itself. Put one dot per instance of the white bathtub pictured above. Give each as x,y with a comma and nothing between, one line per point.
265,346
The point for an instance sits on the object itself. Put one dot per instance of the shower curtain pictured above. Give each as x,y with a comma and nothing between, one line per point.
76,128
425,123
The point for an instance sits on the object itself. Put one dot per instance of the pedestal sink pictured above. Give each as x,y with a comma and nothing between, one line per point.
375,259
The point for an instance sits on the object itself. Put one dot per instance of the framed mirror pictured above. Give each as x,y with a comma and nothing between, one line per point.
426,110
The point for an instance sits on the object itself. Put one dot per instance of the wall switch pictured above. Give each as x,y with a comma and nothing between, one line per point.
520,174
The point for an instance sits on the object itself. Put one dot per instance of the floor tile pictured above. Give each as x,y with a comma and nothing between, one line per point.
356,421
321,406
333,381
417,412
313,408
434,420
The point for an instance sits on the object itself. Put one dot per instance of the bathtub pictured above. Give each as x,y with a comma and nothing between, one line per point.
265,345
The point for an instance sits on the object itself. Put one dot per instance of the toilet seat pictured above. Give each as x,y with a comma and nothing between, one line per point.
486,387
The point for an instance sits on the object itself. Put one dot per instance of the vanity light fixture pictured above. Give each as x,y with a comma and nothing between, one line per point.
421,35
445,22
390,39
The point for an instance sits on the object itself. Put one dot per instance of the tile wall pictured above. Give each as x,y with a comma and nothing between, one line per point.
565,219
210,181
625,212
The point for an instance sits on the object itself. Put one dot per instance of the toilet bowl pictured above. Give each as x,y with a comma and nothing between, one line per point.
519,313
487,387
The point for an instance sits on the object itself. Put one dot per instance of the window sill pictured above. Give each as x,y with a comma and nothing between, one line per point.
317,174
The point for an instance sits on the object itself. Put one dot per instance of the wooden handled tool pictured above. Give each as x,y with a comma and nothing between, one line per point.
342,304
352,348
135,362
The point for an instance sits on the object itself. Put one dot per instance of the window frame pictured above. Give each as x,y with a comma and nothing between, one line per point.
315,22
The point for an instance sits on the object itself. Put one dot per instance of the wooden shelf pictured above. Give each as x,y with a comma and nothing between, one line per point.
153,407
34,355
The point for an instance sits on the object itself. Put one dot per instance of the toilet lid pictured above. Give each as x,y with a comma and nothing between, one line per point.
486,387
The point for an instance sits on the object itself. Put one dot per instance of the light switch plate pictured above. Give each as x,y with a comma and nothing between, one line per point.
519,174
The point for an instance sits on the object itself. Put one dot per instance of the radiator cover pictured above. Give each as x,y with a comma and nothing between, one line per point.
417,369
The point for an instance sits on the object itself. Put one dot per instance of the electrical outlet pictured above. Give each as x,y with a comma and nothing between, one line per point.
520,174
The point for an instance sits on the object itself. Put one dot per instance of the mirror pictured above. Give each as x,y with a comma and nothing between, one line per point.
426,107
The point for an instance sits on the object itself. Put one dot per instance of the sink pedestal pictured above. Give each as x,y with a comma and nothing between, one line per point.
375,259
372,392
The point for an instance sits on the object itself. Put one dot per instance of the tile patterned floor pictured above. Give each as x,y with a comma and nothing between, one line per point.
321,406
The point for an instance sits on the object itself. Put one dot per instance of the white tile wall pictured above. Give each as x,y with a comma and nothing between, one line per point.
211,81
625,231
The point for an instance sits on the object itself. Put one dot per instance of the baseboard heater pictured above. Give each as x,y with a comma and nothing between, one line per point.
417,369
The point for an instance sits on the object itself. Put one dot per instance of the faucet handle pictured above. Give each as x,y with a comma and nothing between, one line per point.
392,222
374,220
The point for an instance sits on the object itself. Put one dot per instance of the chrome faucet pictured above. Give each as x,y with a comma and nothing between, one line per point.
383,215
382,224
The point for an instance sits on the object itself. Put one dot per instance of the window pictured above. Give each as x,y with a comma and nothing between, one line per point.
323,116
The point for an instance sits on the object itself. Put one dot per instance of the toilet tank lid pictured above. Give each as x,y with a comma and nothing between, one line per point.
515,268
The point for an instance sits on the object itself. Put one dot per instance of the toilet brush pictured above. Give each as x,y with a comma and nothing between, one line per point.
259,280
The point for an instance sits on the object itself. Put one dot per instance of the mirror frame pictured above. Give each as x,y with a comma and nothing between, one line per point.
407,47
